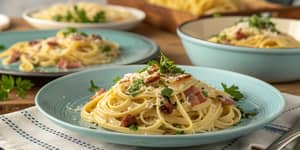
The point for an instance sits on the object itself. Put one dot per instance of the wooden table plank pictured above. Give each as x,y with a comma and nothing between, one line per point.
169,43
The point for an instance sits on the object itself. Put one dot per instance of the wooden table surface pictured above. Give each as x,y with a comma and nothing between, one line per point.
169,43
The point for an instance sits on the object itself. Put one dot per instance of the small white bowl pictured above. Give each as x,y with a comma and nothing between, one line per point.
121,25
4,22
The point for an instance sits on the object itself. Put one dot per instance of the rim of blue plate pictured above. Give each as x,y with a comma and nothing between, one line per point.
154,52
216,133
223,47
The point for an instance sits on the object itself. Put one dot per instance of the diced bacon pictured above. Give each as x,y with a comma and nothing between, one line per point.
74,64
153,69
52,43
32,43
194,96
225,100
64,64
95,37
166,108
240,35
128,120
182,77
15,56
152,78
76,37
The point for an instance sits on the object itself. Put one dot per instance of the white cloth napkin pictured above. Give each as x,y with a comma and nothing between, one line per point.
29,129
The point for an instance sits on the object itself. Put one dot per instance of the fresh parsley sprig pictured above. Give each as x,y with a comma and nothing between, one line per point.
233,91
2,47
8,83
93,87
167,66
134,88
166,92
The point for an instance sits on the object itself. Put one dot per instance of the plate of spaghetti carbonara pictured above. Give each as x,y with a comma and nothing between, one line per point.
84,15
70,50
160,104
256,31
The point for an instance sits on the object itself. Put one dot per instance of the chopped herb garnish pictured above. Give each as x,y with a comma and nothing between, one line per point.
106,48
81,15
233,91
133,127
69,30
166,92
116,79
8,83
93,88
217,15
205,93
2,47
69,16
100,17
261,22
22,86
150,63
57,17
133,90
246,115
180,132
167,66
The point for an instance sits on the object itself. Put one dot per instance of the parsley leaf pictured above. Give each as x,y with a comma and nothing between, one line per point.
205,93
93,88
245,114
69,30
233,91
166,92
3,95
133,90
7,83
22,86
133,127
167,66
179,131
81,15
150,63
116,79
262,22
99,17
106,48
57,18
2,47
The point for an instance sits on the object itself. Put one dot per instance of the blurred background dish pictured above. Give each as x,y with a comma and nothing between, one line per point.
4,22
133,49
270,64
84,15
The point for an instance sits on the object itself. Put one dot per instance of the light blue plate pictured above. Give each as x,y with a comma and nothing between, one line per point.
58,99
134,49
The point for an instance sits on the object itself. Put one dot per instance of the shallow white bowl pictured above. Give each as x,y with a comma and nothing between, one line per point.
121,25
4,22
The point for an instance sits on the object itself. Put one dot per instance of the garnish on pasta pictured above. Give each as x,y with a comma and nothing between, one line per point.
83,12
68,49
163,99
256,31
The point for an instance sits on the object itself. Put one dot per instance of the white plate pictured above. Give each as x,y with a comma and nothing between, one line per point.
121,25
4,22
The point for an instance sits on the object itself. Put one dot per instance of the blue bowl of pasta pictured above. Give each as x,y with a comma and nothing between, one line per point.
263,47
163,106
